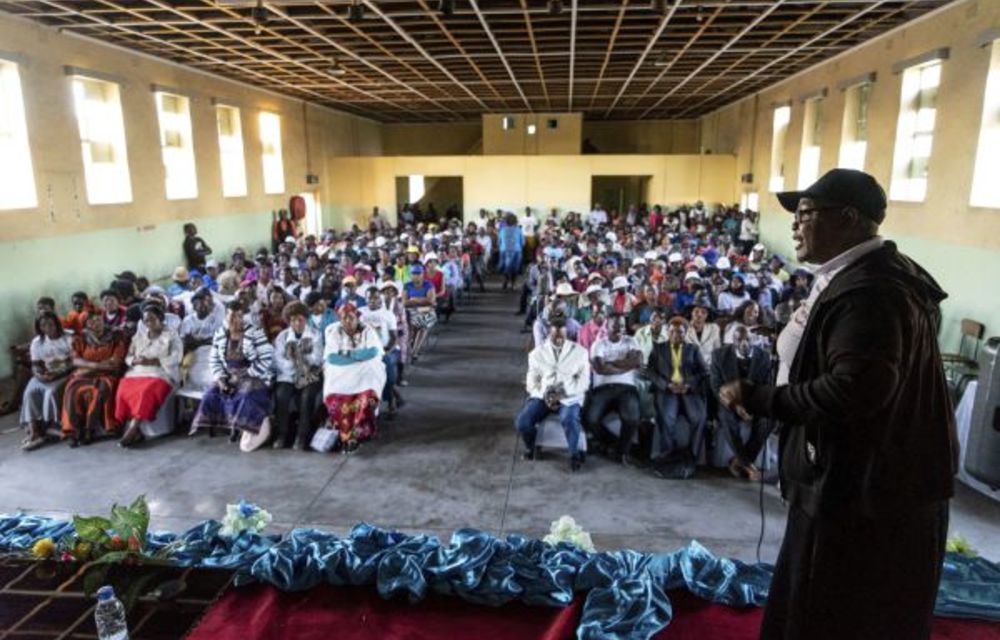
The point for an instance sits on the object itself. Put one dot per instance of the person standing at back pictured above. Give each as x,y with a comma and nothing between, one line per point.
868,449
195,249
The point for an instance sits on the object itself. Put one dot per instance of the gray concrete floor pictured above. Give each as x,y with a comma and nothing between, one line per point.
450,460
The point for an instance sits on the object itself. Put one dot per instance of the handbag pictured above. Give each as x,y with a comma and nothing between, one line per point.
324,439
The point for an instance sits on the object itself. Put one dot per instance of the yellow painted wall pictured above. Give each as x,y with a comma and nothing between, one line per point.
432,139
563,140
65,244
644,136
55,148
962,242
541,182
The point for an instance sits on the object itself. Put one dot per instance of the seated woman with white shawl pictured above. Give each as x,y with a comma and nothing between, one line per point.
354,377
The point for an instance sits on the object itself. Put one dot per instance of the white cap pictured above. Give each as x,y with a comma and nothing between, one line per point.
380,242
651,255
638,261
621,282
290,239
594,288
428,236
759,247
563,289
212,264
700,262
675,257
431,256
691,275
723,263
388,283
611,236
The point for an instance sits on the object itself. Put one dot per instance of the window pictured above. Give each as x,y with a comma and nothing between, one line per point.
782,115
809,156
552,123
417,188
174,113
270,140
17,178
915,132
234,169
986,180
507,123
854,134
531,129
102,138
749,200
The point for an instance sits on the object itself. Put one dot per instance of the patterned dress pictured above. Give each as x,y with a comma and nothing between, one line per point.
354,377
89,397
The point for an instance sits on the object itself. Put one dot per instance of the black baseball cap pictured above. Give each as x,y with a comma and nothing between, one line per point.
849,187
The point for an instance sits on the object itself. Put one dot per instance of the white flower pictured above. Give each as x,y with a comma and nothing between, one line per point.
243,517
565,529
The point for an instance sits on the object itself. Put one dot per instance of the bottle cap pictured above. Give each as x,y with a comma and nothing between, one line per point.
106,592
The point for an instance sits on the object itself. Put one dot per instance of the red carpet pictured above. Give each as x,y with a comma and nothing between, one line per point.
358,613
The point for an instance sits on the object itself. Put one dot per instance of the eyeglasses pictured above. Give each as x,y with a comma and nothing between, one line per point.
806,215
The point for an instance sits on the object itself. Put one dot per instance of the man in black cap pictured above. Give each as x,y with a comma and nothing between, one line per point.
868,449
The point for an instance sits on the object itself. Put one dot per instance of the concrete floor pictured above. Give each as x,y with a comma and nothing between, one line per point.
450,460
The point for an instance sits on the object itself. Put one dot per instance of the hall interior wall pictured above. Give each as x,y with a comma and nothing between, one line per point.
958,243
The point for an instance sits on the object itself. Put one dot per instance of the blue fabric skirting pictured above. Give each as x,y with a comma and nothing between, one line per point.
625,591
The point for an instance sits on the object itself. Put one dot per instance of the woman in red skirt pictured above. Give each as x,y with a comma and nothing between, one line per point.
154,360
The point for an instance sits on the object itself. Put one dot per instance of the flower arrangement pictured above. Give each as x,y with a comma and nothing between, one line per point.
565,529
244,516
958,544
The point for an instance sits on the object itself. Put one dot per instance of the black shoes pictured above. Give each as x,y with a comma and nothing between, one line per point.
575,463
529,454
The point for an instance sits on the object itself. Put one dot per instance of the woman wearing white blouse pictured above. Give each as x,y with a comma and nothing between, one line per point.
51,363
154,360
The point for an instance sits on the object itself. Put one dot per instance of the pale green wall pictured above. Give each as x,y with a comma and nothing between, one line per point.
58,266
965,273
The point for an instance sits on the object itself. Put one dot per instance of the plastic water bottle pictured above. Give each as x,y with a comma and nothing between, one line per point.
109,616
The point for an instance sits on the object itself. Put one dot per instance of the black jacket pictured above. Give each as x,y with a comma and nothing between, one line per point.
867,420
661,366
726,368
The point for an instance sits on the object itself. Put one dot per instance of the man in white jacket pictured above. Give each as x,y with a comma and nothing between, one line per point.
557,381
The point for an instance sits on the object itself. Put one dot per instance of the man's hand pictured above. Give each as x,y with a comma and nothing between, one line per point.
732,397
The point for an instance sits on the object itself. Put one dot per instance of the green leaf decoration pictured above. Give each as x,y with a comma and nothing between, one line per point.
112,557
122,521
140,511
95,577
93,530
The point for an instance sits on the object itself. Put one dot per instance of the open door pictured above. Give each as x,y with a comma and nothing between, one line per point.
314,213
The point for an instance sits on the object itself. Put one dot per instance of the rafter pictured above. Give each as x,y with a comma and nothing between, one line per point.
496,45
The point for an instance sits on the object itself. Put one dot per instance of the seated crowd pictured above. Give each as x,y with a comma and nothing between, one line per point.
637,320
318,334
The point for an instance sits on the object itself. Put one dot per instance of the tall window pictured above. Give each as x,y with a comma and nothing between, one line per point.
809,156
102,138
234,169
854,132
986,179
782,116
915,132
270,140
174,113
17,179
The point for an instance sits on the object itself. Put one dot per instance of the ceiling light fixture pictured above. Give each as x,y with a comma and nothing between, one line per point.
446,7
555,7
356,11
259,15
335,69
661,61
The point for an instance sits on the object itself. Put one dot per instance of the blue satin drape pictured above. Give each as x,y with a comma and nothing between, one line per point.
625,591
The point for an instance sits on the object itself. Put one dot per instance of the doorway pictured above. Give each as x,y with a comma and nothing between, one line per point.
430,198
314,213
617,193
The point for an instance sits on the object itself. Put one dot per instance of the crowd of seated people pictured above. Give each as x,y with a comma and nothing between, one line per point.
271,348
642,316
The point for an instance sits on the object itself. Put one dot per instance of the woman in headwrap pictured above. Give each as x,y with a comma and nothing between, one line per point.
89,398
241,365
154,360
354,377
